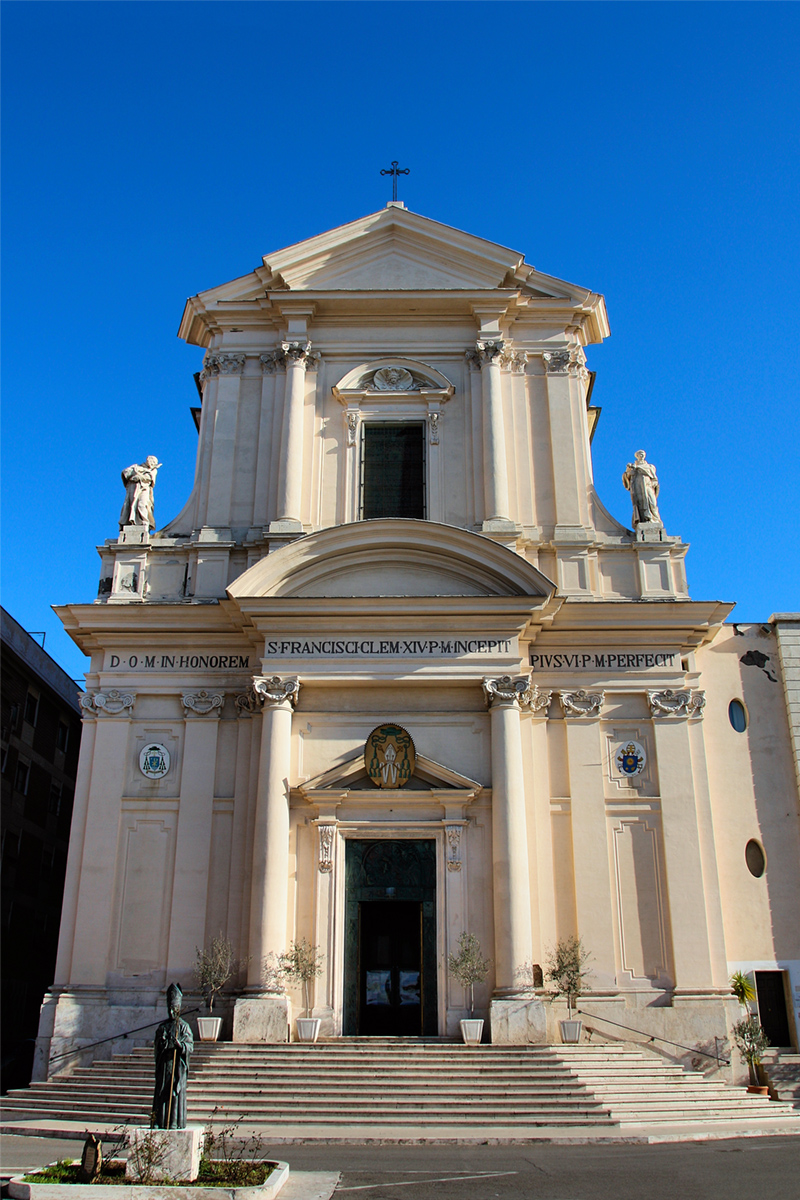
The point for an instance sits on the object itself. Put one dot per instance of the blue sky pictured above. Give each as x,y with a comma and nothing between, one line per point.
646,150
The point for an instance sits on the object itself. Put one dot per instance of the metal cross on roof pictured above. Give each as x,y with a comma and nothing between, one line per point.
394,171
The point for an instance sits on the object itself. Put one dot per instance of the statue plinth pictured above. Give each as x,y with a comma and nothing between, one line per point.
134,535
164,1154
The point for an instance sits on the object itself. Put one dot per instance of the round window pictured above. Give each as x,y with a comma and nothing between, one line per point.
754,857
737,715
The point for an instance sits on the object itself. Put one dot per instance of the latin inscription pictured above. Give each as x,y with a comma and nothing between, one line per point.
387,647
181,662
617,660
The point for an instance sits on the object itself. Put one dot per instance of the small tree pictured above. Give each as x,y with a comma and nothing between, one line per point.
743,989
468,965
751,1042
565,969
302,963
214,965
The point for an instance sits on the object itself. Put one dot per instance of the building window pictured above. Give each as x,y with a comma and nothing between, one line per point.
55,798
62,737
31,708
393,470
737,715
755,858
23,774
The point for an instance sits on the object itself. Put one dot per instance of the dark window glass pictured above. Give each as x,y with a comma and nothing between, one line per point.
21,781
737,716
393,470
31,708
754,857
62,737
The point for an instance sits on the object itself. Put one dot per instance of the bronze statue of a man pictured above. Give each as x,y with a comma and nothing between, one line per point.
173,1045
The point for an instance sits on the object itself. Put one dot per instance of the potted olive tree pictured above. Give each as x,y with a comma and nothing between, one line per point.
302,963
214,965
751,1042
469,967
566,964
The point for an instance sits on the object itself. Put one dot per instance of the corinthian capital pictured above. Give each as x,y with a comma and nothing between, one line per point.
565,362
272,690
300,353
485,352
271,361
507,689
210,366
230,364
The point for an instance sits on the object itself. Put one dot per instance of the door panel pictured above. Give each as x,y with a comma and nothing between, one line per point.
390,967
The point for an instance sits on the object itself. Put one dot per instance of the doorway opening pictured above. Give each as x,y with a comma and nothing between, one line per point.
390,939
772,1006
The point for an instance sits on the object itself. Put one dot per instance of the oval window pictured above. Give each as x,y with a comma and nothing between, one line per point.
737,715
754,857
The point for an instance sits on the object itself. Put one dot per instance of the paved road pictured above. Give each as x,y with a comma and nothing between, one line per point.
720,1170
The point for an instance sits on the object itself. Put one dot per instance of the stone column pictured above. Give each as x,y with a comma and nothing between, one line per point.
488,355
515,1017
290,488
263,1014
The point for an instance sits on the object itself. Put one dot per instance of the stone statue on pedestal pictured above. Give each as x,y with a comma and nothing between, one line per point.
642,482
139,480
173,1045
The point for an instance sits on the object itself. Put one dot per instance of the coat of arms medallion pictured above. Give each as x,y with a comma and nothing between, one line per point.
389,756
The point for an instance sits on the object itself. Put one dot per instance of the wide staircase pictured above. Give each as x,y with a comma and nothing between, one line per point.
783,1072
397,1088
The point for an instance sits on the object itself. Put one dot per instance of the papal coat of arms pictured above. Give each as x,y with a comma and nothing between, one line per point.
631,758
154,761
389,756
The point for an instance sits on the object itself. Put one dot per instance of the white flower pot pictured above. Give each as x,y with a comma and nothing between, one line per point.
208,1028
472,1031
571,1031
308,1029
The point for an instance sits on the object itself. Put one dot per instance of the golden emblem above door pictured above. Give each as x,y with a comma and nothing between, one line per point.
389,756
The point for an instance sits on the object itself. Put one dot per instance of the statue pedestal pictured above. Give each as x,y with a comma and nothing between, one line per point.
261,1019
649,531
164,1154
518,1022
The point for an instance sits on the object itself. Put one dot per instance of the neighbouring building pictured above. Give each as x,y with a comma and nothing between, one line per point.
395,673
40,733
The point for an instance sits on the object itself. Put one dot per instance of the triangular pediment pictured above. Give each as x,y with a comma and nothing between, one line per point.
351,775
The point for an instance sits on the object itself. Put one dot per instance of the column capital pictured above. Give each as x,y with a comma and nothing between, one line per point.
514,361
569,361
300,354
273,691
202,703
671,703
485,352
271,361
581,703
507,689
112,703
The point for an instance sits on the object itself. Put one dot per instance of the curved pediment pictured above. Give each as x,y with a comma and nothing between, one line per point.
391,558
393,375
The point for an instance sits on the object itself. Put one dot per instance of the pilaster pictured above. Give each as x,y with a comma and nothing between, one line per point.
593,892
193,835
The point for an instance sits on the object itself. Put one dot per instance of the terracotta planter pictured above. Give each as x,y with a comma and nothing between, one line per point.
757,1090
208,1028
308,1029
571,1031
472,1031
